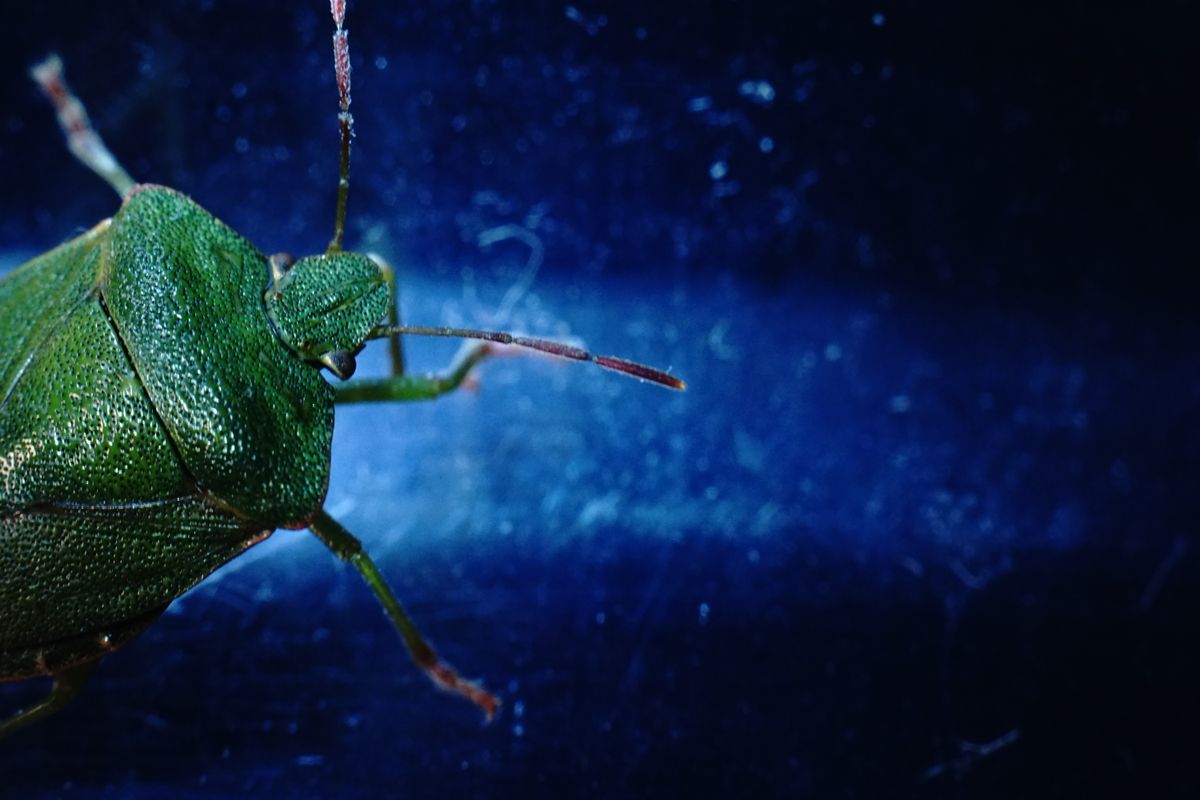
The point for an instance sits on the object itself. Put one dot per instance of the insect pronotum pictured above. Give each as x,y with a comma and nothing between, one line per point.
162,409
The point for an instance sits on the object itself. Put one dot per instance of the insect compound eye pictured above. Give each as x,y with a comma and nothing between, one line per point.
340,363
280,263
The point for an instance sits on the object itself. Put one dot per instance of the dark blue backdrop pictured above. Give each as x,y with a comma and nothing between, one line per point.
923,524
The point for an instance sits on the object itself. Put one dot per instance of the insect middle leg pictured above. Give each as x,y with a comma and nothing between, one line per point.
345,546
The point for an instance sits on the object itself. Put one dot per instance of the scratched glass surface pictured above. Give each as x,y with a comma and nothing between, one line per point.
923,523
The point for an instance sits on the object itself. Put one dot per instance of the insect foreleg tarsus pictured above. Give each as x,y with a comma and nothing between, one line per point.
416,387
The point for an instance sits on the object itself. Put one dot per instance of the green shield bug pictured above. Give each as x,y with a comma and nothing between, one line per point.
162,409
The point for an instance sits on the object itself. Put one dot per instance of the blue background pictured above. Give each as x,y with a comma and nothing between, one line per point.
924,522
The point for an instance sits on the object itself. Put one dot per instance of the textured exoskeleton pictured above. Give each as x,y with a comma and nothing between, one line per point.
162,408
152,426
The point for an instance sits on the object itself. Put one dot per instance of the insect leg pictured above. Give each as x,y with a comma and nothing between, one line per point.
66,685
416,387
395,343
85,144
346,547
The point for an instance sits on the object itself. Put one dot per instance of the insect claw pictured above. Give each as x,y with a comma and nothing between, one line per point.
447,679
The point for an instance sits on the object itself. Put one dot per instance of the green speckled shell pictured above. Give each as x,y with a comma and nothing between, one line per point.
152,426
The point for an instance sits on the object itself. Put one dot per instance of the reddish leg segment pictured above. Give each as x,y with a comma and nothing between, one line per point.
346,547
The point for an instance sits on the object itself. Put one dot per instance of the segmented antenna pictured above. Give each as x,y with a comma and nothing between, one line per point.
341,65
625,367
82,139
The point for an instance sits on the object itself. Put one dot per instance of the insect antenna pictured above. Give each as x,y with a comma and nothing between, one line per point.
341,65
621,365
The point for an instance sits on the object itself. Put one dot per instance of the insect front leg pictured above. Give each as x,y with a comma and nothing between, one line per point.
346,547
401,386
395,343
66,685
416,387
